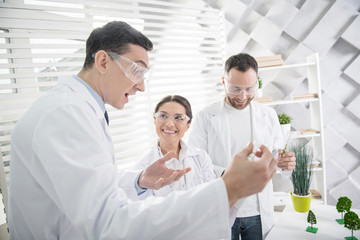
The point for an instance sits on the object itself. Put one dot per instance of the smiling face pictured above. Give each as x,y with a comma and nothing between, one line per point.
171,131
246,80
116,87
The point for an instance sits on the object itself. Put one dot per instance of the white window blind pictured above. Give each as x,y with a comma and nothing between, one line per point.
42,40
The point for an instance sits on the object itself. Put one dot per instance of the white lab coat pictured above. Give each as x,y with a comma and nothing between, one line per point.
198,160
64,182
210,131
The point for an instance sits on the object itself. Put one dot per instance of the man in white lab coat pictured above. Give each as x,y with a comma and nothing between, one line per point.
228,125
64,182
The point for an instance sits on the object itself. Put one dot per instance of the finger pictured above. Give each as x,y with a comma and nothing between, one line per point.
158,184
287,159
288,154
265,154
167,157
272,167
171,178
246,151
180,174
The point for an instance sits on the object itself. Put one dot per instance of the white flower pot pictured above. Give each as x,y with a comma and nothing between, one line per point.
259,92
286,130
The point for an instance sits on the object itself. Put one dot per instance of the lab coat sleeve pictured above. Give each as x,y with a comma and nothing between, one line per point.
78,173
126,181
207,167
199,136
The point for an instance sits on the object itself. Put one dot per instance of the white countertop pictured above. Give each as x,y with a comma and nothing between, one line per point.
292,225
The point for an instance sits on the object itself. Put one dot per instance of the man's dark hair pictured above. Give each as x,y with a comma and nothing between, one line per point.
180,100
241,62
114,37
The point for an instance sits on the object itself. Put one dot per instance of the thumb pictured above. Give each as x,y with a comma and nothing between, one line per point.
246,151
167,157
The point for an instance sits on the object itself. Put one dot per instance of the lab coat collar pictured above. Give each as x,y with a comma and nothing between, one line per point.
220,124
84,93
184,150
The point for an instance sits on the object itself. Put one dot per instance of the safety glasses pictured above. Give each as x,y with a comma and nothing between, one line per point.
178,118
238,89
137,74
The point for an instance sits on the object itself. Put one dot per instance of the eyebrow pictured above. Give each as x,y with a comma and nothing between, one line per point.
143,63
176,114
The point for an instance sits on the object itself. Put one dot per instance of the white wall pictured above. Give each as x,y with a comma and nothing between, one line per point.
296,28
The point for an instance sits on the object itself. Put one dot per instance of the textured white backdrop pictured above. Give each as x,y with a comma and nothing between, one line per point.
295,29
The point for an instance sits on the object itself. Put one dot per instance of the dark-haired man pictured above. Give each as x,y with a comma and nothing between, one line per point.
225,127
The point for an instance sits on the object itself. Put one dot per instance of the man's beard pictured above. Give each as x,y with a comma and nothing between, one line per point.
234,105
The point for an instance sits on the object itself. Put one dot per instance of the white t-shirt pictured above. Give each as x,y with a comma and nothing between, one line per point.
240,135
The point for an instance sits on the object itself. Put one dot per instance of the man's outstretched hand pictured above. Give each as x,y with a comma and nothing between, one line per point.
157,175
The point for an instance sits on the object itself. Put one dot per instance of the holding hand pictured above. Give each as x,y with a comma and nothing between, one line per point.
244,177
157,175
286,161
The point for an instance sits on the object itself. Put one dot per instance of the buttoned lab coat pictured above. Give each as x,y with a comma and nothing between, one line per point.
64,182
211,132
202,170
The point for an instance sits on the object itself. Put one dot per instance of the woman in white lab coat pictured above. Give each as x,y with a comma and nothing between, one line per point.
172,118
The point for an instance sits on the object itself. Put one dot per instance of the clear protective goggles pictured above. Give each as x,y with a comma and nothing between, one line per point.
238,89
137,74
178,118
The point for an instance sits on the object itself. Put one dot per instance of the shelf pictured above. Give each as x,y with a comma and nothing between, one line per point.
310,95
264,69
317,169
289,101
295,135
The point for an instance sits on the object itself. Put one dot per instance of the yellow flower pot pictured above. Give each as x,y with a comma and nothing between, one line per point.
301,203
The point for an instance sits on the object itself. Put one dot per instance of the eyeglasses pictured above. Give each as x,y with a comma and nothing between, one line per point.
137,74
178,118
238,89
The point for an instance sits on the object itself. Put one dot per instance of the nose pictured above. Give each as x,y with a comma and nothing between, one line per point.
140,86
242,95
170,121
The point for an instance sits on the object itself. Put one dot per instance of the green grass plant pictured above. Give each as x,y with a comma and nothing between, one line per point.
301,175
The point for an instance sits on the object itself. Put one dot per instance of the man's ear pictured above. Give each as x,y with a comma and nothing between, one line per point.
223,80
101,61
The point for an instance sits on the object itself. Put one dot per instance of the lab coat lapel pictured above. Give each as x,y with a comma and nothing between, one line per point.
220,127
81,90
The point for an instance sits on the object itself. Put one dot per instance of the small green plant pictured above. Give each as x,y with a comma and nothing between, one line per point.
301,175
312,220
260,81
352,222
343,204
284,118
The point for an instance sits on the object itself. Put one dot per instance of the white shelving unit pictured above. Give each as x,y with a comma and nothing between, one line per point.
316,117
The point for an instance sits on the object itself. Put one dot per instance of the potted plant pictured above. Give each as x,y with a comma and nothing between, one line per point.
285,124
259,90
301,179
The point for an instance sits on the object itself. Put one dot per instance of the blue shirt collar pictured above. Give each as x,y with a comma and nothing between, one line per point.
93,93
